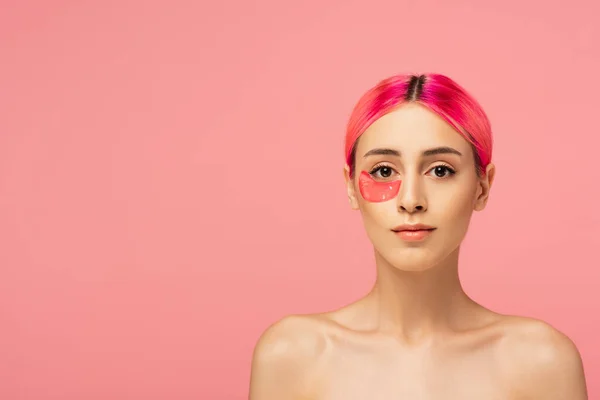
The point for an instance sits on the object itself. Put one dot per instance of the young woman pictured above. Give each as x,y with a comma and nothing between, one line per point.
418,163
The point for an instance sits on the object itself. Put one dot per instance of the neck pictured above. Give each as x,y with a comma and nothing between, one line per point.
415,305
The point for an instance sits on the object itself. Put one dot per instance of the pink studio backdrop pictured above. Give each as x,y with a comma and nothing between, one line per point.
171,178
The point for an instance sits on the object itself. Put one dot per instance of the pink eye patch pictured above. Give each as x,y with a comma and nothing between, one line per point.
377,192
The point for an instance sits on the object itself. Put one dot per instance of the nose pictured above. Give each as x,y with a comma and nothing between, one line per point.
411,198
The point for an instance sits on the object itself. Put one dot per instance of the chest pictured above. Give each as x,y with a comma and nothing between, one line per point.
424,376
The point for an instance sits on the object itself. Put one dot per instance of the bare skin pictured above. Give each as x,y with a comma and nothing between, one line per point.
416,335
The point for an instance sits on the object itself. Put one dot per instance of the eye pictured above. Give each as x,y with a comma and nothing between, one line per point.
382,172
442,171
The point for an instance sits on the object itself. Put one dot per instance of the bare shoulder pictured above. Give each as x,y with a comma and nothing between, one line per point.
286,357
541,361
293,337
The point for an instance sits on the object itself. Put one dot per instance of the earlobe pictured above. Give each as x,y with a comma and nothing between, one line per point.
350,188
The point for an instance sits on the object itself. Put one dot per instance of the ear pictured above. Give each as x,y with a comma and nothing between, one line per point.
485,185
350,188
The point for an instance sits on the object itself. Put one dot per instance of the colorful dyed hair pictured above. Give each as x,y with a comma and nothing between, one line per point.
438,93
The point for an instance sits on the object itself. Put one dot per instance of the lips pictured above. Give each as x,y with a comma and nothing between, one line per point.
415,227
412,233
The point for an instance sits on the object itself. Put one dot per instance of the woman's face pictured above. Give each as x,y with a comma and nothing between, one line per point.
438,187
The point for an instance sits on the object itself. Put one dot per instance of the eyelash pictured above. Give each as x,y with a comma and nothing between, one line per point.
450,170
378,168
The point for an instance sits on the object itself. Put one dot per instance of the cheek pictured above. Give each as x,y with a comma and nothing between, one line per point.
377,219
377,192
458,205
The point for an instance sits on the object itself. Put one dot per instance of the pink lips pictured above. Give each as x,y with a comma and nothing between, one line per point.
413,233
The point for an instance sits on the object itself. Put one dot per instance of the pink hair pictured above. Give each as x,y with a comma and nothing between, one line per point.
438,93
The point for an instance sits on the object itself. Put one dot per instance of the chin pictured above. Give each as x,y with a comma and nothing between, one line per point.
412,266
412,259
417,258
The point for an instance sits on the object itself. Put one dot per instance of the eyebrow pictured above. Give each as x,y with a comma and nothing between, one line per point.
426,153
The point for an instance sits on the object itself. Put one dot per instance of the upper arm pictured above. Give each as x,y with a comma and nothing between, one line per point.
551,366
560,374
279,362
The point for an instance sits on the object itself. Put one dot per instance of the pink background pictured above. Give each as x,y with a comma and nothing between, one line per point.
171,178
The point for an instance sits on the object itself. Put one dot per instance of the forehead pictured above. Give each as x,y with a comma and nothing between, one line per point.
411,128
